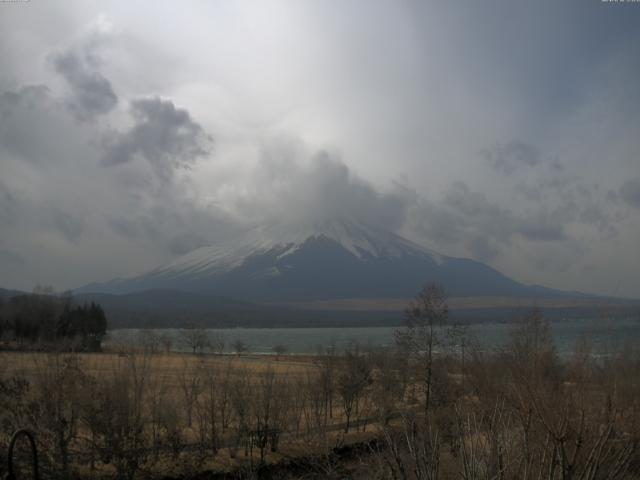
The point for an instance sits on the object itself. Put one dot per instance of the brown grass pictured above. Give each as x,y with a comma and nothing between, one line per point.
26,364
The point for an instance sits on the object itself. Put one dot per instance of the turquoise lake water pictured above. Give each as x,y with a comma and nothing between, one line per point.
605,335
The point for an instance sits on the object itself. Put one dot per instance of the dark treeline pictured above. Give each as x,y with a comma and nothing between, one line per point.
42,319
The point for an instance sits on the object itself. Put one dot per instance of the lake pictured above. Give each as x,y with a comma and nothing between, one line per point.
605,335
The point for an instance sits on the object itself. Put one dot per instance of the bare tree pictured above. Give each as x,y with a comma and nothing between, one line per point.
211,405
279,350
314,411
410,453
224,404
327,363
149,341
427,329
568,430
116,415
268,410
157,395
482,441
190,386
389,383
299,402
354,377
217,342
240,347
195,337
536,417
239,396
56,411
166,341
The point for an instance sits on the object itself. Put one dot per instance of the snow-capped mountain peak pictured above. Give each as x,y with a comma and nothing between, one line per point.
362,241
316,260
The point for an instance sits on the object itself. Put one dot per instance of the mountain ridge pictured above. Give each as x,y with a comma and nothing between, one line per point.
333,259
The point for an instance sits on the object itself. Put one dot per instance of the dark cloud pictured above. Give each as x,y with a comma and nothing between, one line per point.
542,227
573,200
163,215
464,219
557,258
165,136
510,157
19,209
7,206
179,225
481,228
556,166
292,184
68,225
91,94
531,193
594,214
475,204
24,125
482,247
630,192
10,258
554,184
29,96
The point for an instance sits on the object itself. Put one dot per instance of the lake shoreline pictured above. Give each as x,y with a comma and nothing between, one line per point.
604,334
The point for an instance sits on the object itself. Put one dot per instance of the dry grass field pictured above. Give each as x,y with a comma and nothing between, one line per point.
179,413
170,365
419,411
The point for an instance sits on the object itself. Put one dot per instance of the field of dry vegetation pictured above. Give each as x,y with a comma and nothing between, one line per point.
433,407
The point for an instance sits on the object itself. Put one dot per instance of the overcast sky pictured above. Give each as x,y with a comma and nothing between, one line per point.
504,131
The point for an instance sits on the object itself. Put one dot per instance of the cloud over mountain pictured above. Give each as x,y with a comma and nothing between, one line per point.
526,160
293,183
163,135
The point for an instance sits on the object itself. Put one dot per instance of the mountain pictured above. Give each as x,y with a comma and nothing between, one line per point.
171,308
6,294
336,259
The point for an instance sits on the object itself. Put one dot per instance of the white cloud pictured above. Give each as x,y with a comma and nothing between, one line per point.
389,105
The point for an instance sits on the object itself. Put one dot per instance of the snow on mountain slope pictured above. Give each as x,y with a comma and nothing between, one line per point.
319,261
360,240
